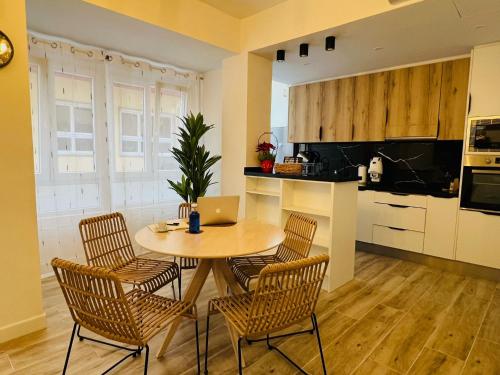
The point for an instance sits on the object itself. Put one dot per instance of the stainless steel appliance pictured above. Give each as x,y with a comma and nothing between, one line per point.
481,183
484,135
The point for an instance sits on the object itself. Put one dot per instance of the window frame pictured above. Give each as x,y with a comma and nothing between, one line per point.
163,140
139,139
74,135
37,159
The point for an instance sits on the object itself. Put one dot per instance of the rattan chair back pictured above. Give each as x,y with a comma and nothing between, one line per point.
96,301
286,293
299,230
106,241
184,210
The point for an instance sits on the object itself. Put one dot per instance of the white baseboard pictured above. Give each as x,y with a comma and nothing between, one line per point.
23,327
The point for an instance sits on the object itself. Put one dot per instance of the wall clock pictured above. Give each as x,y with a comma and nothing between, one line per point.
6,50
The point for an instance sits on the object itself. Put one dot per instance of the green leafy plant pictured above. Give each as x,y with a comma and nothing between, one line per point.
194,160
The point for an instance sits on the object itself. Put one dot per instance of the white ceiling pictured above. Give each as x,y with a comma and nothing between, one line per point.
429,30
242,8
88,24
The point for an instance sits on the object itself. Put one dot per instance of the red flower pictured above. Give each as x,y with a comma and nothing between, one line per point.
265,147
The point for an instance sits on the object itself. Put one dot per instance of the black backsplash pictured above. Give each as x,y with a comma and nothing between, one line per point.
408,165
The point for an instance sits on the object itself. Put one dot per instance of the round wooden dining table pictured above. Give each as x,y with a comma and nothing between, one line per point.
212,247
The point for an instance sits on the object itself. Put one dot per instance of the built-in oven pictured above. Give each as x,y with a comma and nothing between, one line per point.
481,183
484,135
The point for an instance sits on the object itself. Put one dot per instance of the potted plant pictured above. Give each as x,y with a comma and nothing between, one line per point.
194,160
267,153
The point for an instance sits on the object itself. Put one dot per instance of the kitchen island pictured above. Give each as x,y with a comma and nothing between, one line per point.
331,200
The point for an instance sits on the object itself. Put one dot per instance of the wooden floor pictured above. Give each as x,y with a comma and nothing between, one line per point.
395,317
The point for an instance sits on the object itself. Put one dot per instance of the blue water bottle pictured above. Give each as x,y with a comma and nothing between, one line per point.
194,219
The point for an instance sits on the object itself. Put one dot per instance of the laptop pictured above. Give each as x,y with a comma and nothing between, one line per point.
218,210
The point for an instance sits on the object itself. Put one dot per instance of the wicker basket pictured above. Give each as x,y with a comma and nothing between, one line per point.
288,168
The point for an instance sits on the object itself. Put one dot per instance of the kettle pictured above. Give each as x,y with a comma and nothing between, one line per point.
376,169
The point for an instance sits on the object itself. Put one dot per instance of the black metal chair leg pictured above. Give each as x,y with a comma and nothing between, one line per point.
316,328
197,345
206,344
146,360
69,349
180,283
240,368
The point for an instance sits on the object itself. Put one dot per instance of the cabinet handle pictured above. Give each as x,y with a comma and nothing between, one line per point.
397,205
402,194
399,229
470,104
320,133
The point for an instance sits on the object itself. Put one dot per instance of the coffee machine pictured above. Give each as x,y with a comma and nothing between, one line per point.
376,169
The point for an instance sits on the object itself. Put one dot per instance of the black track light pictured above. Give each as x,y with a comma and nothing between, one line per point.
304,50
280,55
330,43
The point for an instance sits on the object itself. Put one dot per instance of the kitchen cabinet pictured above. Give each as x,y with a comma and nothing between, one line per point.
370,107
337,110
485,81
453,102
366,211
440,227
413,101
304,113
403,239
477,240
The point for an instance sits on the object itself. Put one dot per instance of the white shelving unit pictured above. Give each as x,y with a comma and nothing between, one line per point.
332,204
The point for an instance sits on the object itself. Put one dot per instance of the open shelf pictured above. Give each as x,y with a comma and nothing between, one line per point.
263,192
308,210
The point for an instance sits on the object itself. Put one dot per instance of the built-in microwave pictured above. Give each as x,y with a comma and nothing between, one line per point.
481,183
484,135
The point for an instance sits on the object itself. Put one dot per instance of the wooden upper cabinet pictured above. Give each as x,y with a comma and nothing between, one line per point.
370,107
304,113
453,104
413,101
337,110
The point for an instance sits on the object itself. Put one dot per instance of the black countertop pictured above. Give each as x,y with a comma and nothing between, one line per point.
255,171
434,191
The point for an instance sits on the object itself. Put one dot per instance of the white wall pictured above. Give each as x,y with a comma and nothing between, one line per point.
279,119
212,111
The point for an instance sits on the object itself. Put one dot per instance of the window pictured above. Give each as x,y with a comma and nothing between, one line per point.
131,133
74,123
35,114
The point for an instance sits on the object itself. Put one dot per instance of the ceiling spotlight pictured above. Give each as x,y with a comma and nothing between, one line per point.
304,50
330,43
280,55
378,48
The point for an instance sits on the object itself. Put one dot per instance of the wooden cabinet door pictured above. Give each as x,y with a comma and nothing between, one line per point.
453,104
337,110
304,113
414,101
370,107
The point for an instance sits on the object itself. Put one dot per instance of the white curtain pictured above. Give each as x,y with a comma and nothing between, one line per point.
103,128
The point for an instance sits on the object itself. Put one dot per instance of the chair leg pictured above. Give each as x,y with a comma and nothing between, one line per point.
173,288
69,349
197,345
240,368
206,344
316,328
146,360
180,283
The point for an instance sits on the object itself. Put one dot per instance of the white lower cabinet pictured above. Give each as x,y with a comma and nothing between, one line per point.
399,238
477,240
366,212
440,227
398,216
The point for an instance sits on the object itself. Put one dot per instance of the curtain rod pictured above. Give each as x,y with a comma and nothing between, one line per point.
75,47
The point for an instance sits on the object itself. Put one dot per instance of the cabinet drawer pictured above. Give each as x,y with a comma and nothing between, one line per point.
402,200
399,239
402,217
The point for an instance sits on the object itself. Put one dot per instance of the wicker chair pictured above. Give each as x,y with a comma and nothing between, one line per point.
185,263
97,302
286,294
107,244
299,231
